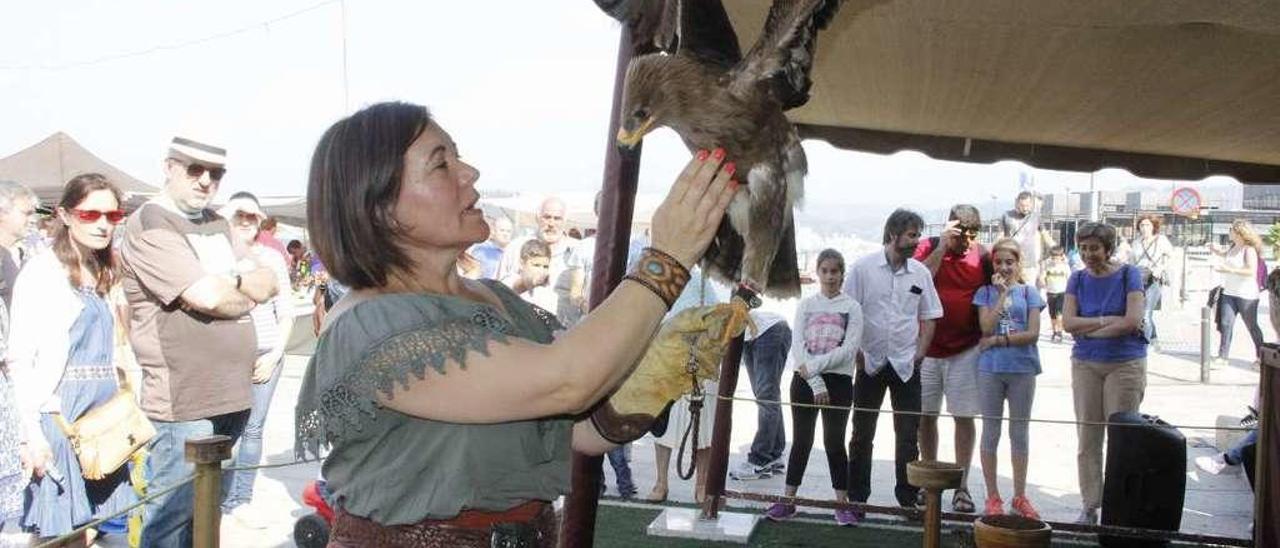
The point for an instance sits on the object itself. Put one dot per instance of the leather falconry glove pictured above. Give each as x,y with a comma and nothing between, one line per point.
687,350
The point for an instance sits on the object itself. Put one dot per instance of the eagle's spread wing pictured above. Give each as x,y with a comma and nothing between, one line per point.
699,28
652,22
783,55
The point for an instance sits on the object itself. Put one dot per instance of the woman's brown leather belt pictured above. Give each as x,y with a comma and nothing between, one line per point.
532,524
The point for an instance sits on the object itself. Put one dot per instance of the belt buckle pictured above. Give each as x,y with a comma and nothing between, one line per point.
513,535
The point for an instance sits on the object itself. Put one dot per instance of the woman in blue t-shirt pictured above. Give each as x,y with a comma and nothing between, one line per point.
1103,311
1009,314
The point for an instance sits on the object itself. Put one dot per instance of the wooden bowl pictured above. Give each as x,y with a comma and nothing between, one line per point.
1010,531
932,474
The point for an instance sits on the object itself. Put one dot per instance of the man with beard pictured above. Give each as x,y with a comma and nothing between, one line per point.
899,307
551,220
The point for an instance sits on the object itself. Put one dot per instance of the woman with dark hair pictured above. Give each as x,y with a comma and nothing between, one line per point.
61,354
448,407
1152,254
827,334
1103,311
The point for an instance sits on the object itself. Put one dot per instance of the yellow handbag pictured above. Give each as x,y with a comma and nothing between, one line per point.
105,437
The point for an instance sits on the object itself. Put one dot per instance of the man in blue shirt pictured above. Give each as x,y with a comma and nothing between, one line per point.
489,252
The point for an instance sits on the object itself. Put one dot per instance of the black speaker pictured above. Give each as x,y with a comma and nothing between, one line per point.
1145,480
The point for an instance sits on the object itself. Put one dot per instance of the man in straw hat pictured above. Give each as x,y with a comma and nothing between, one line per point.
189,325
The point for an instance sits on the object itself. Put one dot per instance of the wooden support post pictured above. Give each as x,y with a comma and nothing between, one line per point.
719,465
1266,509
208,453
613,236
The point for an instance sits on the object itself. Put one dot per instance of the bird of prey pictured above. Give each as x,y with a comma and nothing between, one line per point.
699,84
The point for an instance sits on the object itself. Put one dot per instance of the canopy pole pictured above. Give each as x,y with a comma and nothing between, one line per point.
1266,487
613,236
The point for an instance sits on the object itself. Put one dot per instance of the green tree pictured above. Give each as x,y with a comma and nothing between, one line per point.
1272,238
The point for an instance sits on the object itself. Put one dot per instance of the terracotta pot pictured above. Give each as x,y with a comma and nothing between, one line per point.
1011,532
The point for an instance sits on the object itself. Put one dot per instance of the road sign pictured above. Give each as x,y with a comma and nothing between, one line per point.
1186,201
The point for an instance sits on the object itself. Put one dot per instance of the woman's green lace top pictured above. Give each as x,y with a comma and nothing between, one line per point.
395,468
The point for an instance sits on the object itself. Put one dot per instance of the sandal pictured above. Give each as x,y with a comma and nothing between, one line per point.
962,502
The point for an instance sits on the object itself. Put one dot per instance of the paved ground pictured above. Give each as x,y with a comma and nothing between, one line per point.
1219,505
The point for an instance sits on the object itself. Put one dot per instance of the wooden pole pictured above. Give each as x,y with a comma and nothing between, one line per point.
208,453
719,465
613,236
1266,497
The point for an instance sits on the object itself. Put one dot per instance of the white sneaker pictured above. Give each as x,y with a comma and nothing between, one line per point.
1215,465
747,471
778,466
247,517
1088,516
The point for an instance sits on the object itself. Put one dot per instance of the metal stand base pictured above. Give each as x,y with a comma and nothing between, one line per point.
684,523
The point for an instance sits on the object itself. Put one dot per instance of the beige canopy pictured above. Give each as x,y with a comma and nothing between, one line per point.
45,168
1164,88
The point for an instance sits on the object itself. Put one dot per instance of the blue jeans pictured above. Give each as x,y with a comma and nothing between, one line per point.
1153,302
766,357
1228,306
620,460
167,519
250,451
1234,455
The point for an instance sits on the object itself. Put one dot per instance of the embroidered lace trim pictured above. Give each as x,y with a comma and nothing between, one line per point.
351,402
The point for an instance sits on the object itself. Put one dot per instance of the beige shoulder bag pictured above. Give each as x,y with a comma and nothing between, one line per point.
106,435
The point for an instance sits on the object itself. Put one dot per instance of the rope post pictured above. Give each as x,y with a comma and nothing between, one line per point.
1205,341
207,454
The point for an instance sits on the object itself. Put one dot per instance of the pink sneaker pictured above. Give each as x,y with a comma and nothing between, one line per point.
780,512
995,506
1024,508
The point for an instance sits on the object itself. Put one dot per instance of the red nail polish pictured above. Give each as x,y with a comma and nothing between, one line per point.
719,153
730,168
702,155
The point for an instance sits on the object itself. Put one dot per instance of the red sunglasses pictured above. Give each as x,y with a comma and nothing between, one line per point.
92,215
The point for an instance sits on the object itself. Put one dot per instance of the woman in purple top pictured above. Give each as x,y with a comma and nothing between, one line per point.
1103,311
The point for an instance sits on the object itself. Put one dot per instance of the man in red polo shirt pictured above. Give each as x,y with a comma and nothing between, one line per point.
960,265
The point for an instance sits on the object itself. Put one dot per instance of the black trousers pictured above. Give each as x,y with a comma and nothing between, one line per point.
804,420
868,392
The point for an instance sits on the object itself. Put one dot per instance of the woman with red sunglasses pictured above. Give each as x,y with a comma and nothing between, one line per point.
61,354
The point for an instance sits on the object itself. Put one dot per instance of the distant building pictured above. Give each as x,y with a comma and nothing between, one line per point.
1263,197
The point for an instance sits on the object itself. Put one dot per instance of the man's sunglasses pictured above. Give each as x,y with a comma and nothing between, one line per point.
195,171
92,215
970,233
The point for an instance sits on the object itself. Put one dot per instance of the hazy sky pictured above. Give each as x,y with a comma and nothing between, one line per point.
524,87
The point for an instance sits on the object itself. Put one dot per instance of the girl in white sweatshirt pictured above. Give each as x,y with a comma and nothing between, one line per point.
828,328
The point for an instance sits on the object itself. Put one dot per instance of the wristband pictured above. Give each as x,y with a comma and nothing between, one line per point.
660,273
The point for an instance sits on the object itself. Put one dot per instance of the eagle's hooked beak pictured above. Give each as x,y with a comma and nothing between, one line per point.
631,138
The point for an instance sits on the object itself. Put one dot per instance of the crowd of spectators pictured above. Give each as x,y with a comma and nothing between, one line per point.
203,302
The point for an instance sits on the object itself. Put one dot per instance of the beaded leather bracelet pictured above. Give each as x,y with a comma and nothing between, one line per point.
660,273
